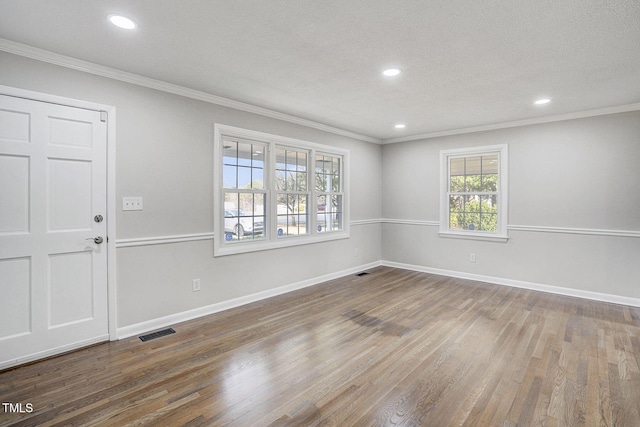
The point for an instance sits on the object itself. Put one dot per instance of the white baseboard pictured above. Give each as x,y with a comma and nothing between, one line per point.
172,319
165,321
596,296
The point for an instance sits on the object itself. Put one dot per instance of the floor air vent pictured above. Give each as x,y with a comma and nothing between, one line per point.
157,334
363,273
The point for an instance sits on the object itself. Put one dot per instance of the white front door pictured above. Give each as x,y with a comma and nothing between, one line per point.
53,190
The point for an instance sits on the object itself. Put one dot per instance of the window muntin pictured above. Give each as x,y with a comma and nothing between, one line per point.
328,182
474,192
244,163
292,193
269,185
247,221
243,189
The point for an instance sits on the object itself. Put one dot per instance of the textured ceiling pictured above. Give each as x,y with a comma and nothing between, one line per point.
466,63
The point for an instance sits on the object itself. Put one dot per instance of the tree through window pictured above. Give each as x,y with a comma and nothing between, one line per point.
474,193
272,191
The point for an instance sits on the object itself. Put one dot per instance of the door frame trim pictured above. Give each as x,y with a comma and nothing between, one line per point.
111,184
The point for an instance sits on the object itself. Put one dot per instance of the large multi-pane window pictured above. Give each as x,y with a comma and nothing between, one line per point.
474,193
272,191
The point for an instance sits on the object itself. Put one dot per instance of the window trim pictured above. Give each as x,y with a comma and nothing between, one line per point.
501,235
271,240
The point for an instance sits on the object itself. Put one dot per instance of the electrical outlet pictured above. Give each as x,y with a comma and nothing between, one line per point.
196,285
132,203
355,252
472,257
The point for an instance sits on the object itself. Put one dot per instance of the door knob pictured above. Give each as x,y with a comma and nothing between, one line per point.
97,240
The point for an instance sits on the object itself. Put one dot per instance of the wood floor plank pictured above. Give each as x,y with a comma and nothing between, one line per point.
394,347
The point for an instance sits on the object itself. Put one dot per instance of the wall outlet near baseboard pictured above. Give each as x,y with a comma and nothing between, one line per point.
472,257
196,285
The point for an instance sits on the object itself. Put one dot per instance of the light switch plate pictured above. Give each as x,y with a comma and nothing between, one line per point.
132,203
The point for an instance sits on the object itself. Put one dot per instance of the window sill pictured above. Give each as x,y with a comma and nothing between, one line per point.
474,236
264,245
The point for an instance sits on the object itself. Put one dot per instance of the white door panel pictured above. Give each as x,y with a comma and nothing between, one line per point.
70,288
15,274
15,125
70,195
53,276
14,209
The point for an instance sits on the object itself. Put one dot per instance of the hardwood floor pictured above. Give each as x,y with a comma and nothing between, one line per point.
393,347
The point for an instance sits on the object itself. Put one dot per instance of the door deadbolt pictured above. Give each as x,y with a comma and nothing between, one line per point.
98,218
97,240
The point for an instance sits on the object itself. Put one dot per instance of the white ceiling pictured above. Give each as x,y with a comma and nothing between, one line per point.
465,63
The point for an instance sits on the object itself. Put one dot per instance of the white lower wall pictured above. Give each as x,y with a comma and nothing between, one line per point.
557,269
172,319
155,281
599,267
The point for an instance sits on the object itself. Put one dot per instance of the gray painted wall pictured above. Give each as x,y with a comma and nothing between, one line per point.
578,174
165,155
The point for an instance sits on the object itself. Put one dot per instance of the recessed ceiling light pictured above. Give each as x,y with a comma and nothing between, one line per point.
391,72
122,22
542,101
400,126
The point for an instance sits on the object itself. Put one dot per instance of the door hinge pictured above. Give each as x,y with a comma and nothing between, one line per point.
103,116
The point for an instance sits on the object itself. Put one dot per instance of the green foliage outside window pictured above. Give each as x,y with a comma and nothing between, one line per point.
472,214
473,202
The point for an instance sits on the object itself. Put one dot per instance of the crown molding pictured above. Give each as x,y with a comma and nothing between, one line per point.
517,123
136,79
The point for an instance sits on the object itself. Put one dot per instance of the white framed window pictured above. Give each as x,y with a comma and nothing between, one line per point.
272,191
474,193
243,188
292,191
329,192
